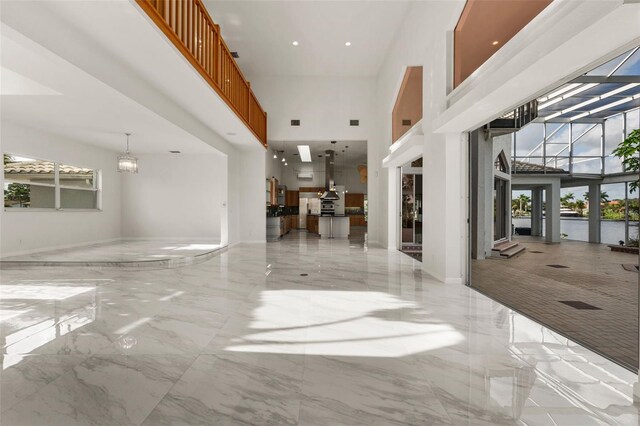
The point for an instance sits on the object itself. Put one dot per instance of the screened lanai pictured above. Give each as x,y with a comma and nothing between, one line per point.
580,123
579,126
568,260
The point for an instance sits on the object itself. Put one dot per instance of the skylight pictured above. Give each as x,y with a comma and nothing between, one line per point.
305,153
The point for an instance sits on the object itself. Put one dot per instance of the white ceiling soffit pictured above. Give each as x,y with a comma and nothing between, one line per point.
262,32
117,43
43,91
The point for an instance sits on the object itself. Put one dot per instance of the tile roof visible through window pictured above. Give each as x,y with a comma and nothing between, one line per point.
43,168
524,167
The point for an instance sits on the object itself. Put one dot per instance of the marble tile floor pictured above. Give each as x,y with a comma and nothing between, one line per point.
299,332
120,253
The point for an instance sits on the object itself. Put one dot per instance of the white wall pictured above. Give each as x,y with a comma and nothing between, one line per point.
324,106
422,40
25,231
175,196
247,196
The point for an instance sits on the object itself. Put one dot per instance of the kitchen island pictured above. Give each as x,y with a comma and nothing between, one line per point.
341,227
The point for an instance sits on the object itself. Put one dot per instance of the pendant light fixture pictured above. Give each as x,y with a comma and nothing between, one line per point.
275,154
346,170
126,162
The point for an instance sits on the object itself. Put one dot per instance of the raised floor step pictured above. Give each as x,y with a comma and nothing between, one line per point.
507,245
514,251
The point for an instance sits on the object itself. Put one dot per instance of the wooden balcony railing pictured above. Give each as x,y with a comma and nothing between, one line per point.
190,28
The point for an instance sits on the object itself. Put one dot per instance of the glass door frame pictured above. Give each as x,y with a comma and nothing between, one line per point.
414,171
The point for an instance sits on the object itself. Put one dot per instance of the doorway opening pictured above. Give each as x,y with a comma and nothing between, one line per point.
411,209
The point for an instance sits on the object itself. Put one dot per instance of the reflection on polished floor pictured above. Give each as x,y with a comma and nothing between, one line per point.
303,331
537,281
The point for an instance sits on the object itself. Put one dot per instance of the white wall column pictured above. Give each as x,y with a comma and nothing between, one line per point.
481,194
552,212
246,216
394,212
594,213
445,204
536,211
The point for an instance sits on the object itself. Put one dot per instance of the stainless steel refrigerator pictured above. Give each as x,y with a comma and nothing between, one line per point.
302,213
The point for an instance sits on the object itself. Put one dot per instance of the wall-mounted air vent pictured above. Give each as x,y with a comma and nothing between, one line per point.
406,122
175,152
305,175
354,122
235,55
295,122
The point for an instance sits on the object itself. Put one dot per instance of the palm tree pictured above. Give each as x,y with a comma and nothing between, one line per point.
524,203
566,201
580,206
604,197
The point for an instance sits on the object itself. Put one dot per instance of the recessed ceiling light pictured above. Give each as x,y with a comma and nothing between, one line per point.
305,153
495,42
175,152
348,44
295,43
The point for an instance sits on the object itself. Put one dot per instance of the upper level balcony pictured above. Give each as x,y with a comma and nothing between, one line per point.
187,24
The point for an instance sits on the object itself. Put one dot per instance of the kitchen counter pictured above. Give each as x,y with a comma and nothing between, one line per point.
341,226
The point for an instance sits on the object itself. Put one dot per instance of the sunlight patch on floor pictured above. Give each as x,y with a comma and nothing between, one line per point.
342,323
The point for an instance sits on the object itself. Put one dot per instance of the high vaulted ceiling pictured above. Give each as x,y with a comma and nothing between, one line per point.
356,153
262,32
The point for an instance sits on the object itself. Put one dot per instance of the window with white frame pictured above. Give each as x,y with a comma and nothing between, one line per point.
39,184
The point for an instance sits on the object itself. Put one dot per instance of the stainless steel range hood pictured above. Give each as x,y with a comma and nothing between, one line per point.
329,177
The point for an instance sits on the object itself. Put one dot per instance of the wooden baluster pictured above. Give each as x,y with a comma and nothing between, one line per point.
196,22
185,22
249,102
172,5
200,36
187,40
205,47
218,58
198,40
179,19
193,28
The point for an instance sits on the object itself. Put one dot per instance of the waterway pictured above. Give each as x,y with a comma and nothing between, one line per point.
612,231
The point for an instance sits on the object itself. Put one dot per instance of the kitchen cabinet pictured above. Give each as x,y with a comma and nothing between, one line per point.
357,220
312,224
292,198
354,200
